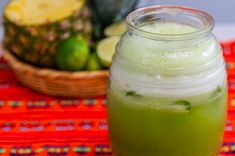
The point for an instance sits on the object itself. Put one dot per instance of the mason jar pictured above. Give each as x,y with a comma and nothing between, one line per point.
167,86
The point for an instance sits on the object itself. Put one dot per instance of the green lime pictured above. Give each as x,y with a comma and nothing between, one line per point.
116,29
106,49
72,54
93,63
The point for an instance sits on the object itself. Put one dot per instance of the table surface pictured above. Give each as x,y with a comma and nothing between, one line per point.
37,124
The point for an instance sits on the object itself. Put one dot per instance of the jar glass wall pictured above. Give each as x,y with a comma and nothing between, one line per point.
167,90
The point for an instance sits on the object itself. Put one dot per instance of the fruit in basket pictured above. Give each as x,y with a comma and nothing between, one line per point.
115,29
72,54
93,63
106,49
34,28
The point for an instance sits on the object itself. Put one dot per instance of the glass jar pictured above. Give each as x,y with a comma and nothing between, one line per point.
167,90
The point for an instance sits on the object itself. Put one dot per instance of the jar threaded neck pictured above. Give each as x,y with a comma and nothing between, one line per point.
202,21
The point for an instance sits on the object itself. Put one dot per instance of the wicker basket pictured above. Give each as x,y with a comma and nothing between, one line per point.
59,83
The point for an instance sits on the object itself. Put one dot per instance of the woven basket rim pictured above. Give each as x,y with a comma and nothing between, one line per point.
19,65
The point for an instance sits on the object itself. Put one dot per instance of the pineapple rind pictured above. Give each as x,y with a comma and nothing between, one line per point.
37,44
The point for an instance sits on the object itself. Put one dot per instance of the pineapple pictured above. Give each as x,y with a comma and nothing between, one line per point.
34,28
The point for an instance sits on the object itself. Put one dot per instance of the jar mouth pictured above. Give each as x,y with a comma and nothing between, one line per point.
202,21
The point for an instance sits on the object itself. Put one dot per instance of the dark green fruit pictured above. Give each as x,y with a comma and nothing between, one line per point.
72,54
106,12
93,63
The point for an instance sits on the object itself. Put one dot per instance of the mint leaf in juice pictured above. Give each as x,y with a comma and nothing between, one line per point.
132,93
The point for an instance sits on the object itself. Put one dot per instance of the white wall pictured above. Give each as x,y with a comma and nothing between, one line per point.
222,10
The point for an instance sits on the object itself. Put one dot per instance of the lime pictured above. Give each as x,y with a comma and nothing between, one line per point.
72,54
116,29
93,63
106,49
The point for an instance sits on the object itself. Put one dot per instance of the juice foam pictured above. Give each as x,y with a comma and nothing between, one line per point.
168,28
168,64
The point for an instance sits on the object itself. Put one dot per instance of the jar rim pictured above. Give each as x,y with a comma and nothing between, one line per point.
201,15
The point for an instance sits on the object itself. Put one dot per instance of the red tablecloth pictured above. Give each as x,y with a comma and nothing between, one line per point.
35,124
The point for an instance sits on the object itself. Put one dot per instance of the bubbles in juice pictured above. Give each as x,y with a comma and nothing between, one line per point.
171,28
141,62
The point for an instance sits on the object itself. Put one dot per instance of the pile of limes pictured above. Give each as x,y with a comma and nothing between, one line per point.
74,53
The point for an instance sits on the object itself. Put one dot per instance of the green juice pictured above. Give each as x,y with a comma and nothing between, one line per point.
139,129
167,98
